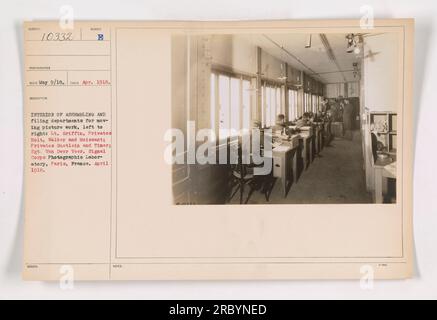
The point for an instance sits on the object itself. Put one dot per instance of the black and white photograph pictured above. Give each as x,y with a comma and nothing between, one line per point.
323,108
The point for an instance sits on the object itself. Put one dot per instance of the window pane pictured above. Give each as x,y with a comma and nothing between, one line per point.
246,104
224,103
296,115
308,102
312,103
290,105
292,102
272,106
295,105
268,106
278,102
212,104
263,105
235,104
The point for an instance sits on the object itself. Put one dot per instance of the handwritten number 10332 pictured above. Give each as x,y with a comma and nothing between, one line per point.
57,36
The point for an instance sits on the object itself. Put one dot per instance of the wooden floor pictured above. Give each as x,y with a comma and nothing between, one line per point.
336,176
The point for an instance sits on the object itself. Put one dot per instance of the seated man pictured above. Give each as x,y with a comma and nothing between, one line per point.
302,122
279,127
256,124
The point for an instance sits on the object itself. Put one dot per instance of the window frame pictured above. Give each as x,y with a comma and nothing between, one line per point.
244,112
272,97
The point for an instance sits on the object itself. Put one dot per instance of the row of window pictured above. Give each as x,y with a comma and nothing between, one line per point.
232,101
312,102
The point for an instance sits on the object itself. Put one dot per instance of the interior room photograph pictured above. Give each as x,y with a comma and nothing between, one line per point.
330,102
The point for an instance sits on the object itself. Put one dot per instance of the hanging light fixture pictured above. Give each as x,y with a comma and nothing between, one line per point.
350,42
356,71
283,76
354,42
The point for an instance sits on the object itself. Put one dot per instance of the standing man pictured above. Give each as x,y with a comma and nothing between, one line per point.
325,105
280,124
347,118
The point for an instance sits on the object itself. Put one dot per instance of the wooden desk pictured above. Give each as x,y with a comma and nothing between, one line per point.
307,151
383,170
306,136
319,136
285,162
327,133
317,140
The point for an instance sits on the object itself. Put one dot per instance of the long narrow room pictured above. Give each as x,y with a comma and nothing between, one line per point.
316,111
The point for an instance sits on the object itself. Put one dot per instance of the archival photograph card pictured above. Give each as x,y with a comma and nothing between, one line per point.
218,150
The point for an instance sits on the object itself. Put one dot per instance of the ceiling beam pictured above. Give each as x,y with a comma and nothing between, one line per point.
330,53
294,57
340,71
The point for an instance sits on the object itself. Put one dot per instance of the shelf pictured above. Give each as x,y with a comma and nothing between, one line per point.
388,136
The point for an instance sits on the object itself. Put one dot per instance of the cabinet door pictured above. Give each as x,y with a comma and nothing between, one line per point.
277,166
353,90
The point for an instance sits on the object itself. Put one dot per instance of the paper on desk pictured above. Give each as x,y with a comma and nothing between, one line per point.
391,168
281,148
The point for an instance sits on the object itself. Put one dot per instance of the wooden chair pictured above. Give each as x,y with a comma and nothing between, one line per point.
243,174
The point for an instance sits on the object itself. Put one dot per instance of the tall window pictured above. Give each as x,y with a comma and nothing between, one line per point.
292,105
265,106
272,104
276,104
278,101
230,97
213,97
246,104
235,104
307,102
318,103
314,101
224,103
